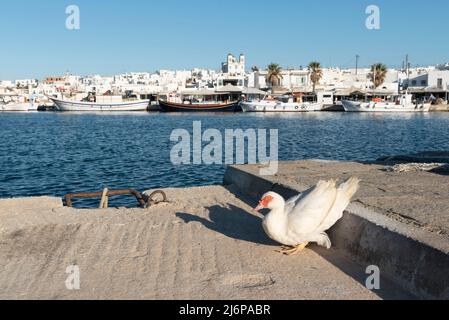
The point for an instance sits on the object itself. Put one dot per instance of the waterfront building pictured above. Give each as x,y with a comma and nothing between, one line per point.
6,84
53,80
429,83
438,79
233,72
26,83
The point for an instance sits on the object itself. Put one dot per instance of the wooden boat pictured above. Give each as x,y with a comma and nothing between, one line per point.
199,107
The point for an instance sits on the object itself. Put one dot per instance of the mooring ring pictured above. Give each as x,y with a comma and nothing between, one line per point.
150,200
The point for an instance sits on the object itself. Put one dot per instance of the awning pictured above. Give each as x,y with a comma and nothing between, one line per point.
253,91
230,89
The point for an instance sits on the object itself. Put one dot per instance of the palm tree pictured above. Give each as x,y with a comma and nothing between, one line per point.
316,73
274,74
378,74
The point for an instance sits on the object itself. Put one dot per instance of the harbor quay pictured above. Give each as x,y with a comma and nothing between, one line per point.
208,243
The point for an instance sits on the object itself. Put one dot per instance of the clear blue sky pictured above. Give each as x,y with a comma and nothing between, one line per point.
147,35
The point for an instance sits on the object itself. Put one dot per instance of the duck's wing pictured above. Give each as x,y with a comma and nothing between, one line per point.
292,202
312,208
344,195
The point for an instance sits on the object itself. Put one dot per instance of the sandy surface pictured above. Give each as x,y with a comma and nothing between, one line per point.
204,244
420,199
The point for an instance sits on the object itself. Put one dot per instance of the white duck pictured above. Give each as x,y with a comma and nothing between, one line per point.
305,218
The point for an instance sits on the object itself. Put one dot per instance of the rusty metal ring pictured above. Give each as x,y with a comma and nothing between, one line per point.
150,200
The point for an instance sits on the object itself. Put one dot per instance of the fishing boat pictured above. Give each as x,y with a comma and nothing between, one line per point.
198,107
101,104
395,103
280,104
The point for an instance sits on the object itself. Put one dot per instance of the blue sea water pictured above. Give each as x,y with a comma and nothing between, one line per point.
59,153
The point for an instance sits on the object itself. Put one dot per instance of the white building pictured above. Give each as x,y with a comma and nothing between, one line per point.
435,79
234,66
26,83
233,72
292,79
6,84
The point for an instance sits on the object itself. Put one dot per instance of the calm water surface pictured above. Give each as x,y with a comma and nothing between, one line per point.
59,153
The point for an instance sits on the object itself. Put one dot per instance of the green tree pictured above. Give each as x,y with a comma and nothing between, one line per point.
316,73
378,74
274,74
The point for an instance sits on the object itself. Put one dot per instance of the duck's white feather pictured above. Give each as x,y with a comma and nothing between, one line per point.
344,195
291,203
312,210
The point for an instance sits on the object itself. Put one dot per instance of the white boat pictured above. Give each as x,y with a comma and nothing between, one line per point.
400,103
19,105
81,106
279,106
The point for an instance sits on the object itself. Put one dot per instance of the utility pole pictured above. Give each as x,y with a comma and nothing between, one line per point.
357,64
407,66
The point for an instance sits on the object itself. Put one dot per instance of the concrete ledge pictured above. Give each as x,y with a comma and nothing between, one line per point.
439,108
31,203
415,259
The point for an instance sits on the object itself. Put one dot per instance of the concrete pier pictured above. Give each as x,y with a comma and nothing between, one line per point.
206,243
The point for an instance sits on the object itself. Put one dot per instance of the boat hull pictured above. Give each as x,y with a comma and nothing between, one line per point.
354,106
18,107
273,106
66,105
178,107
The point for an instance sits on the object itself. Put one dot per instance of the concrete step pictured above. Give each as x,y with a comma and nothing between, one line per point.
398,222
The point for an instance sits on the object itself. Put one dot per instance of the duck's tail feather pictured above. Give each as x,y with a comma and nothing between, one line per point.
345,193
322,239
348,189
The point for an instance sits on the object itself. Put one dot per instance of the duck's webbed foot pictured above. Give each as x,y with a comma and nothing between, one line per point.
289,251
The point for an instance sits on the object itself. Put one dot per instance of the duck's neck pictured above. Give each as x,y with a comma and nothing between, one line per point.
276,223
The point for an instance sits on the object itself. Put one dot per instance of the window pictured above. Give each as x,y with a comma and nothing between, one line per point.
413,82
440,83
424,82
